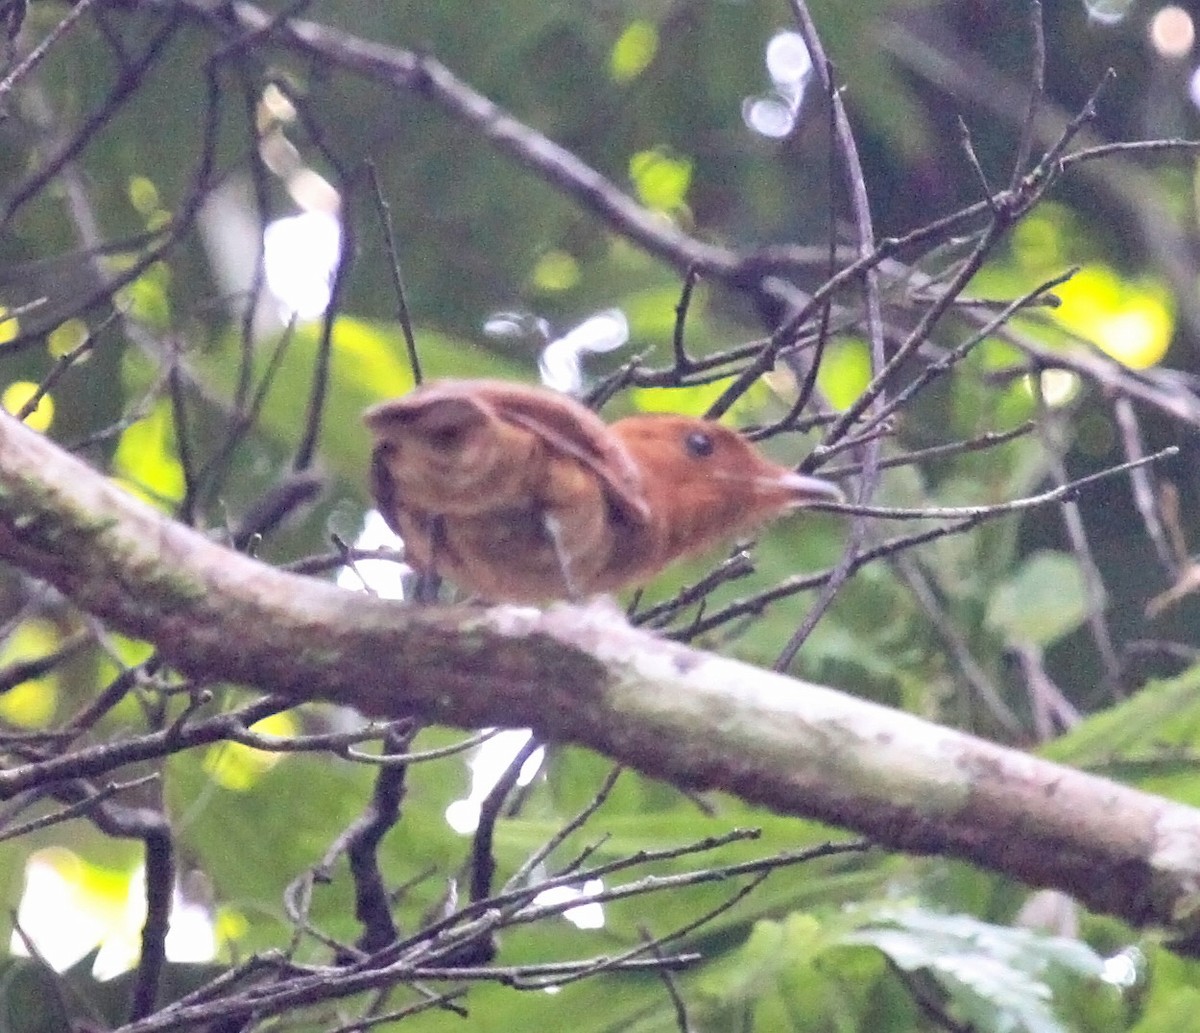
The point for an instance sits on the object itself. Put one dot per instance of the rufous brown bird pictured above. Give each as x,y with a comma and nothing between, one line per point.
520,494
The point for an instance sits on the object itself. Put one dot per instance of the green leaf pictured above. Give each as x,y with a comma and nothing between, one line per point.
1042,602
845,371
660,179
147,459
34,999
1163,715
775,981
996,976
1173,997
1150,740
634,50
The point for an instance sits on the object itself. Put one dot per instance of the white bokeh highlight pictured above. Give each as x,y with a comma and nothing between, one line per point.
585,916
64,922
790,68
486,765
300,258
1107,12
561,362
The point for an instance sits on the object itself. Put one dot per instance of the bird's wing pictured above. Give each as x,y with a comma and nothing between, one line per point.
571,429
454,398
565,425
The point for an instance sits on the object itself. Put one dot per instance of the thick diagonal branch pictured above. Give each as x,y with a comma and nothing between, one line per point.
583,676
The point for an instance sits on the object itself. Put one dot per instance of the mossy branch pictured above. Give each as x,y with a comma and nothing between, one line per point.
581,675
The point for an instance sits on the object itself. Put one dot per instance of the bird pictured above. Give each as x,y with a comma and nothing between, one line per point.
520,494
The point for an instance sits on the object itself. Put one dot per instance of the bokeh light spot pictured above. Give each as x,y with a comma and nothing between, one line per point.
66,337
10,325
1107,12
18,393
1172,33
661,180
634,50
556,271
300,257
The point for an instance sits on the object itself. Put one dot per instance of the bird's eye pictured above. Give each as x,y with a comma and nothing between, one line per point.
698,444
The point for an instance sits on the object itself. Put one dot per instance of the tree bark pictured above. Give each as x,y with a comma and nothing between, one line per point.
582,675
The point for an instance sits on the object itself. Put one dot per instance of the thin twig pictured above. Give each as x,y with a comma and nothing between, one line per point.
1141,482
683,364
38,53
360,843
1037,88
483,861
521,875
1093,580
389,239
983,687
1064,492
74,810
988,439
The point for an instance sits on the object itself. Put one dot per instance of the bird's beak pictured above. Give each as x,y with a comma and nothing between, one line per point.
806,490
